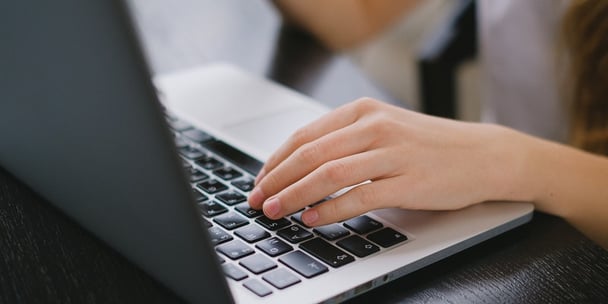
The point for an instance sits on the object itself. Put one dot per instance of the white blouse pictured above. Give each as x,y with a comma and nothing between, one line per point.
519,66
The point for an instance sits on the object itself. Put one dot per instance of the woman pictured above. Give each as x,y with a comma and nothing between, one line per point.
416,161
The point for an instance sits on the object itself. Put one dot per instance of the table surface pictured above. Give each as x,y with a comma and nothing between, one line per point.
46,257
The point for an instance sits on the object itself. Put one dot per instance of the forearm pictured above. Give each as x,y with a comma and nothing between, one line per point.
341,24
570,183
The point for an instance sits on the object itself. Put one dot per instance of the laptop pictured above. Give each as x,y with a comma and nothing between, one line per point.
160,168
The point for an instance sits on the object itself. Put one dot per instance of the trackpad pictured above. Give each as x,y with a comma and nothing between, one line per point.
266,133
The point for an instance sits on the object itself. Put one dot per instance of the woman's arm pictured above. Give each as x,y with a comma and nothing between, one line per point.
570,183
415,161
341,24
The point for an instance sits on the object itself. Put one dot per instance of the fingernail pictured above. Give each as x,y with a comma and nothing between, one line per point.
272,207
310,217
260,176
256,198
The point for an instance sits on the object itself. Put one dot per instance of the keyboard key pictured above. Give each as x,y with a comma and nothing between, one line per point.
231,220
234,156
248,211
235,249
303,264
211,208
387,237
362,224
231,198
227,173
272,224
297,217
198,196
274,246
218,235
209,163
252,233
211,186
180,142
244,185
191,152
358,246
295,234
327,252
257,287
257,263
197,176
281,278
197,136
331,232
234,272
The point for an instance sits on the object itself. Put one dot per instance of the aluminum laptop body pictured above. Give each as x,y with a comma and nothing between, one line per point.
81,124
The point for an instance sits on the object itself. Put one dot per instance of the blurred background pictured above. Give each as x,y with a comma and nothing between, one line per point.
184,33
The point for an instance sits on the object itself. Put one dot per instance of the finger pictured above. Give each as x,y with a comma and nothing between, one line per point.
337,119
359,200
309,157
326,180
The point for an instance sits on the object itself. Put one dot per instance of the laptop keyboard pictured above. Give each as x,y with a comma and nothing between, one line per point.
262,254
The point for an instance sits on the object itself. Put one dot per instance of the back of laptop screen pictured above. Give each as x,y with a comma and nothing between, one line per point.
81,125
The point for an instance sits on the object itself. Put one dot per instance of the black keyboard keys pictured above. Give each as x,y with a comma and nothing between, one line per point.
303,264
272,224
234,272
257,287
252,233
191,152
281,278
211,186
327,252
358,246
231,220
248,211
198,196
209,163
196,176
273,246
362,224
244,185
235,249
295,234
211,208
331,232
387,237
257,263
227,173
218,235
231,198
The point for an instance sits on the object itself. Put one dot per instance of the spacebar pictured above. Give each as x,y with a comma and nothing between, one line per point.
233,155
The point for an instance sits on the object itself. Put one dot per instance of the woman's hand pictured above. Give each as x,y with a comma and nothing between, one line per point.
413,161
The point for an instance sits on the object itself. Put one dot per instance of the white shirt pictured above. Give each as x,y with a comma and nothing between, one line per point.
519,66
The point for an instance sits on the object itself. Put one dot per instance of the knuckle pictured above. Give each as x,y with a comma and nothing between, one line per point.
368,197
309,153
365,104
336,172
300,136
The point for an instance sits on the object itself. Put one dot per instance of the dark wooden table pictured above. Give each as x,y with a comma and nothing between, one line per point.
47,258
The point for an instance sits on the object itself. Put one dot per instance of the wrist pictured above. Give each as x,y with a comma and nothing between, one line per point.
511,169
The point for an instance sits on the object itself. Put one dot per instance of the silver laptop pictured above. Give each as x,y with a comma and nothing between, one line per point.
161,169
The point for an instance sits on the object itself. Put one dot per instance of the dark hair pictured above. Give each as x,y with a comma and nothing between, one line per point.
585,29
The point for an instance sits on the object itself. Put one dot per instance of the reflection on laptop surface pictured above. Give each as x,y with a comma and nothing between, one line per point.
167,185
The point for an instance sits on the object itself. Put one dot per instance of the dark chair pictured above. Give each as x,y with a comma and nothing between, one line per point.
454,42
